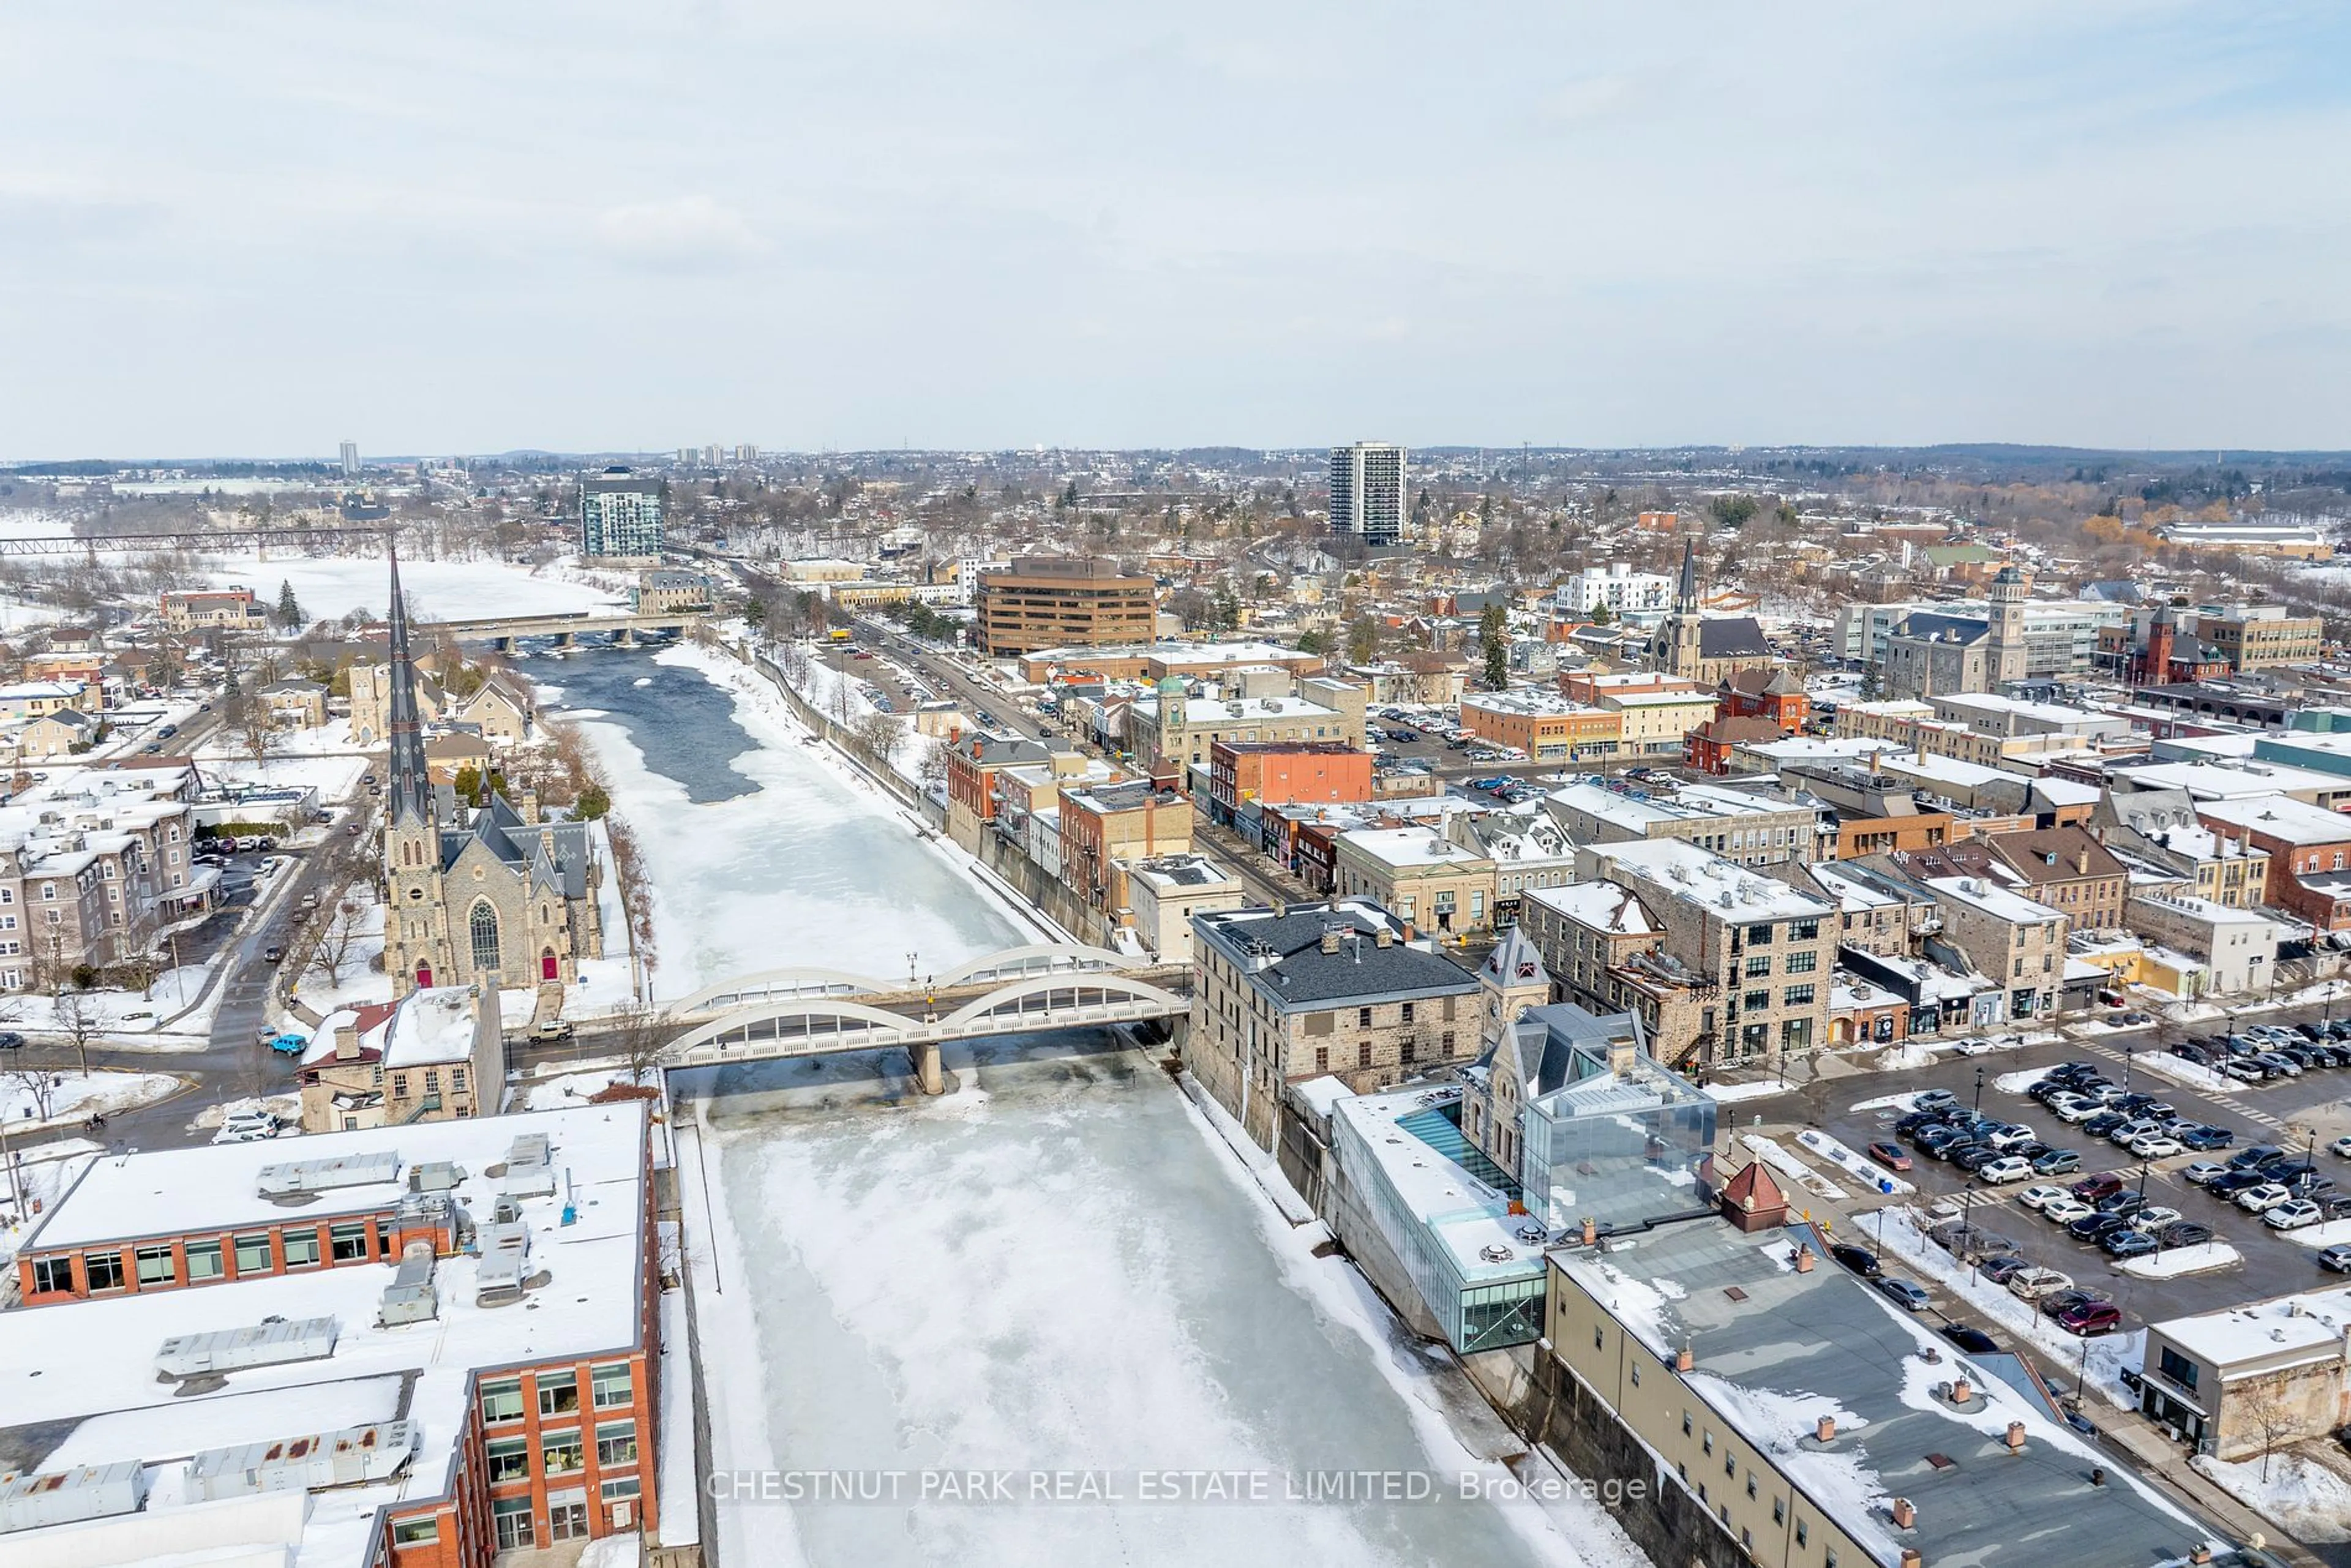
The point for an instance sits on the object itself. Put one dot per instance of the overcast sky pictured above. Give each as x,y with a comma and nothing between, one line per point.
259,229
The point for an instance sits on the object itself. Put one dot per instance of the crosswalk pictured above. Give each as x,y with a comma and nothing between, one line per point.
2226,1101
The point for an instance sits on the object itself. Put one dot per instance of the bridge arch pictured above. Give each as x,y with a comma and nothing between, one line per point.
1037,958
771,985
1085,988
825,1023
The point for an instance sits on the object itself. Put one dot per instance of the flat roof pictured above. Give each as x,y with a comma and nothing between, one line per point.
1775,1349
1982,893
2311,1320
1467,1217
2281,817
2232,780
1682,870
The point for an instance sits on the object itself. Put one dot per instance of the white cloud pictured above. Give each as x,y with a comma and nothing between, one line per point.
688,233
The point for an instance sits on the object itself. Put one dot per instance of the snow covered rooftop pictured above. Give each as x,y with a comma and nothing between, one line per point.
1468,1218
1681,869
1774,1350
1602,905
2279,817
2308,1326
1992,899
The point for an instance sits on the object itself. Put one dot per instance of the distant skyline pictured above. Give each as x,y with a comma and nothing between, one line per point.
261,229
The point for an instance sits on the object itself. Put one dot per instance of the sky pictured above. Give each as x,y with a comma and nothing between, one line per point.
259,229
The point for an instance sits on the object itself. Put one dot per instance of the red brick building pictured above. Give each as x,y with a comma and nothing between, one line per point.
1771,693
1277,773
1708,747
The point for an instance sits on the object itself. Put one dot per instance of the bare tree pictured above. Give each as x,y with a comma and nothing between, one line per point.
2271,1416
41,1086
334,940
80,1021
931,767
876,738
792,658
637,1036
143,969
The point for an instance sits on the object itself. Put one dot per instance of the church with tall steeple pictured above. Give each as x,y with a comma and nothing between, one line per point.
480,892
1708,648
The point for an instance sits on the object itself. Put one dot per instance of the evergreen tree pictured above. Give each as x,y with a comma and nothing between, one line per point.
1493,631
289,609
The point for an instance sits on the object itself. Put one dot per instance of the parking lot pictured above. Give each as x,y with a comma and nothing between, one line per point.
2285,1112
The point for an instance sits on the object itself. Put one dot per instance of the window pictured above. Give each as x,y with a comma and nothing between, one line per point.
1363,1018
623,1490
253,1254
415,1531
1759,935
1797,996
611,1386
203,1261
482,928
1803,963
155,1266
502,1400
1706,1447
1750,1483
350,1241
1779,1511
1363,1056
562,1452
457,1080
1803,1532
301,1248
559,1393
509,1457
1730,1467
104,1270
399,1085
512,1517
2176,1367
1636,1374
1756,1001
1758,965
1597,1337
1321,1059
1404,1016
1804,931
52,1274
616,1443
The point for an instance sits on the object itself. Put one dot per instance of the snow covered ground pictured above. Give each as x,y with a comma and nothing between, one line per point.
1731,1093
1123,1300
331,585
2333,1233
1776,1156
322,758
2180,1069
2307,1499
2172,1262
1838,1153
78,1096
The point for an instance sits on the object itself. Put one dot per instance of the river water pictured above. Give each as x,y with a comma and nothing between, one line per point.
1054,1269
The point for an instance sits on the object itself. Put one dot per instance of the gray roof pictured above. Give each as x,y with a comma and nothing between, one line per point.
1788,1345
1732,637
1932,624
1283,956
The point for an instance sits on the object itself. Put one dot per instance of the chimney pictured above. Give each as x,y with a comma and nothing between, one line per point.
2082,860
1383,937
1910,1557
1685,1359
526,803
2202,1553
1591,1231
346,1042
2016,1436
1904,1516
1330,940
1804,1258
1826,1431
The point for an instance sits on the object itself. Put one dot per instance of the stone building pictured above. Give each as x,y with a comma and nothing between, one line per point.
434,1055
1707,649
487,894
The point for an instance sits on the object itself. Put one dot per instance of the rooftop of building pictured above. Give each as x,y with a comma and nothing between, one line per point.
1430,1167
1413,846
1638,809
1180,873
2279,816
1680,870
1528,705
2226,779
2312,1324
1775,1349
1985,895
584,1300
1283,952
1601,905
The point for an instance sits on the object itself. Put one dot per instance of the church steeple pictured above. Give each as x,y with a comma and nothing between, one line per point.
1686,602
411,788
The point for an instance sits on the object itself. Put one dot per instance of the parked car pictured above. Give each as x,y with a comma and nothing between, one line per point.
2263,1198
2065,1210
2093,1225
2031,1284
1860,1260
2184,1233
2007,1138
290,1044
2092,1189
2154,1217
2128,1243
2126,1203
2006,1168
2341,1148
1975,1342
2057,1163
2246,1159
11,1040
2077,1109
2293,1215
2244,1071
2337,1258
2090,1318
2235,1182
2066,1299
2156,1146
2203,1139
1904,1294
2000,1270
2036,1197
2204,1171
1890,1156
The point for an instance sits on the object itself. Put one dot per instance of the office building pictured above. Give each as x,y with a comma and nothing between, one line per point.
1062,601
351,459
1368,492
621,515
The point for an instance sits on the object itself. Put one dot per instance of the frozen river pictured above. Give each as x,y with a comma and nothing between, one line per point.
1055,1268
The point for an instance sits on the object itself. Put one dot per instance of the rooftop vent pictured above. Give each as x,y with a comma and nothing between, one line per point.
295,1177
410,1298
348,1458
64,1497
230,1350
435,1175
505,1264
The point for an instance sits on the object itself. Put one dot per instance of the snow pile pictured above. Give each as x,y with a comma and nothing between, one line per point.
2173,1261
1868,1170
2296,1492
1908,1057
287,1108
2180,1069
1730,1093
2333,1233
331,585
77,1095
2018,1082
1904,1102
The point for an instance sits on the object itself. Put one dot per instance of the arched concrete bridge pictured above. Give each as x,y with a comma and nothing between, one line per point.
815,1011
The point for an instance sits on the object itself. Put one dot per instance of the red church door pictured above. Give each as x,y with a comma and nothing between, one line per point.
546,965
423,975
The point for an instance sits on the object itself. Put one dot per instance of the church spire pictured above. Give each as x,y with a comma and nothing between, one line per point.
412,789
1686,602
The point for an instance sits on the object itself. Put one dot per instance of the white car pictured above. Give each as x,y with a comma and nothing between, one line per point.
2263,1198
2293,1215
2075,1112
2041,1196
2031,1284
2065,1210
2340,1147
2007,1168
246,1131
1973,1047
2153,1219
2007,1138
2156,1146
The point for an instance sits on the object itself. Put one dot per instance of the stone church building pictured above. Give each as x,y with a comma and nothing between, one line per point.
488,895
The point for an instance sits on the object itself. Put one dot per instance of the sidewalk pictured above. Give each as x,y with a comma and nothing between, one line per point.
2163,1463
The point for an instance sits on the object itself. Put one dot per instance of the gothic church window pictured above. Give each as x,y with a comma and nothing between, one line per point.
482,925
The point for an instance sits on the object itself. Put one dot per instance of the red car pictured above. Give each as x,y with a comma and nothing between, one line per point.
2090,1318
1890,1156
2094,1189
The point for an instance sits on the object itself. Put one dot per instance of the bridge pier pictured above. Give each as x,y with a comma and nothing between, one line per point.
502,645
928,1074
563,639
626,637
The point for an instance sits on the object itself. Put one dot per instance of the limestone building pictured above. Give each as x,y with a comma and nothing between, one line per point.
480,895
1707,649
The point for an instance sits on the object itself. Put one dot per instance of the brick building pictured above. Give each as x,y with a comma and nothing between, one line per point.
1062,601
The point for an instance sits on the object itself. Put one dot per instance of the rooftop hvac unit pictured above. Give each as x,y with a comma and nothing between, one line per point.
528,1181
505,1264
231,1350
529,1149
64,1497
297,1176
435,1175
410,1298
348,1457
